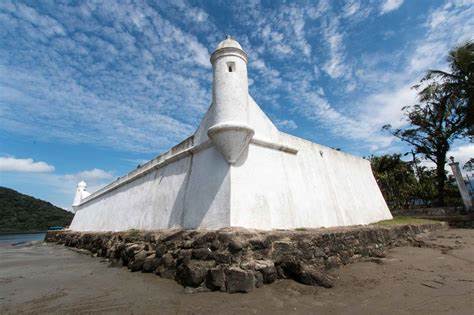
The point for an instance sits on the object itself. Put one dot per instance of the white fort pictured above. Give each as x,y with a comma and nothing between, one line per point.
237,170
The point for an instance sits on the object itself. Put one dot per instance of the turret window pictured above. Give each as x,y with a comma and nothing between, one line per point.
231,66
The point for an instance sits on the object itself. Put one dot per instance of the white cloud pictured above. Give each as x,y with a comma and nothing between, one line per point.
57,188
95,179
351,86
462,153
432,50
11,164
134,77
286,124
119,83
390,5
385,107
92,175
392,89
269,75
351,8
198,14
46,24
334,67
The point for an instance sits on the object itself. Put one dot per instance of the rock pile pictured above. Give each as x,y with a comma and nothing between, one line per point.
238,260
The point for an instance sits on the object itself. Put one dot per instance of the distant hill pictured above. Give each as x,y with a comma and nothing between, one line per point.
23,213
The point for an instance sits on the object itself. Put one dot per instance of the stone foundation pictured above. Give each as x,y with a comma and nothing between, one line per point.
238,260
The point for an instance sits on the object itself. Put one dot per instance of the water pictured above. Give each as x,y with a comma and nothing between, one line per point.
19,239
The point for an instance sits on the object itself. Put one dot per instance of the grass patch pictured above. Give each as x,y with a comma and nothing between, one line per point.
404,220
132,233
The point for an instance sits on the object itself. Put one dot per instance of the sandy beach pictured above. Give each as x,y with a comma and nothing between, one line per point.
439,279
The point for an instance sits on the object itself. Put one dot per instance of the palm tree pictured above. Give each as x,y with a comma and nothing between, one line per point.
460,81
444,113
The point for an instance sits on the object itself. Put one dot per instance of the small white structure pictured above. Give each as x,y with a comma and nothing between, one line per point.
81,193
466,196
237,169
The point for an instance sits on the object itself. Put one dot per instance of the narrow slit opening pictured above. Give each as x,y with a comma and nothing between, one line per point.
231,66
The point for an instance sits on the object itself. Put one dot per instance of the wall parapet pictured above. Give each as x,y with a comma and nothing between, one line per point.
176,153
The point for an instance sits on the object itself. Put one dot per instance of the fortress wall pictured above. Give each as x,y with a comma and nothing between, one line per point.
148,202
192,192
267,189
273,189
207,198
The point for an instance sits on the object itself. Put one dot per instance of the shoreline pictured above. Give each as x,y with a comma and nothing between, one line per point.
28,232
438,279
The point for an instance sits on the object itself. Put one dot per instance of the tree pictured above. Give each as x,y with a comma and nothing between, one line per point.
459,81
23,213
425,190
436,121
396,180
445,111
406,184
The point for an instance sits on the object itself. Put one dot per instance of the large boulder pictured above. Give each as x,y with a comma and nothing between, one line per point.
192,273
292,268
150,264
136,263
202,253
314,276
235,245
239,280
267,269
128,253
166,266
215,279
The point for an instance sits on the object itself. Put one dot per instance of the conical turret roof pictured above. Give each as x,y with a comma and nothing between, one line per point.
229,42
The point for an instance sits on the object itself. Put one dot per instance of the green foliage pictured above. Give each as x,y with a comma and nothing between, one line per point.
404,220
459,81
425,191
133,233
406,185
301,229
395,178
452,194
443,113
22,213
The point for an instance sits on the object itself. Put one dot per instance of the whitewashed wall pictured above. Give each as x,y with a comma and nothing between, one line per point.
317,187
266,189
152,201
190,192
207,200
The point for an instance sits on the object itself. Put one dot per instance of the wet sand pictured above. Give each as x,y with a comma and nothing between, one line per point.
46,279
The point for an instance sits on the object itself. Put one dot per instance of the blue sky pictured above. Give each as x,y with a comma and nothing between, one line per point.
90,89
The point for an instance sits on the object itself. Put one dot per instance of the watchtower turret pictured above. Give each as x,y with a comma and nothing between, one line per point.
229,129
81,193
